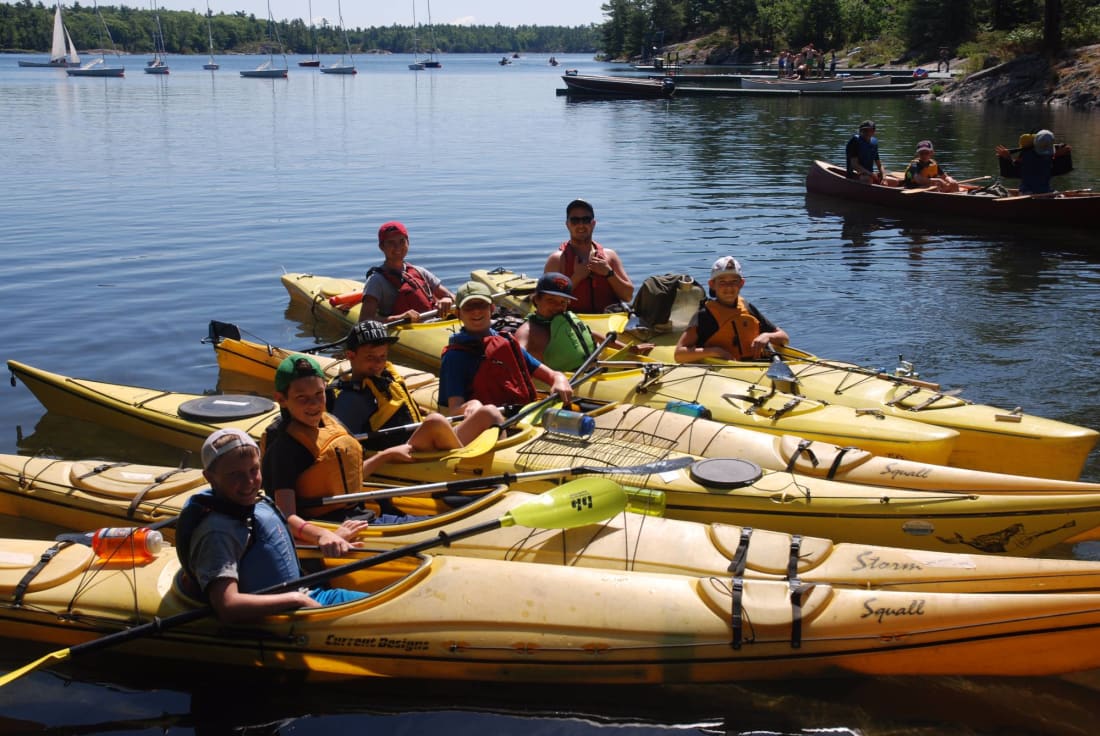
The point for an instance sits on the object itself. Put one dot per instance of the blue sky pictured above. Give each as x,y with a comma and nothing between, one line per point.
363,13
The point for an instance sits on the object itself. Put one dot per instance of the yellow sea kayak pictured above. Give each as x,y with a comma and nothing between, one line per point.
686,434
989,438
712,490
730,400
455,618
89,494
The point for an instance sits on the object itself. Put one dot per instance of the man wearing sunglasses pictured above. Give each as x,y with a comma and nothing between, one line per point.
598,276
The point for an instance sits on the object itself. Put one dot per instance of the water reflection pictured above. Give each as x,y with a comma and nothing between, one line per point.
207,702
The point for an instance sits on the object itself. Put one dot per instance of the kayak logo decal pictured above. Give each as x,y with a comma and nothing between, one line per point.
1009,539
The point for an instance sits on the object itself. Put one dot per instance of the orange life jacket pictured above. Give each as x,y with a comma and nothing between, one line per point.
337,460
731,328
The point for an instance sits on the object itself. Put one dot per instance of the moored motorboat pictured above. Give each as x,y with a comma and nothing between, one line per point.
92,494
592,84
454,618
1071,208
712,490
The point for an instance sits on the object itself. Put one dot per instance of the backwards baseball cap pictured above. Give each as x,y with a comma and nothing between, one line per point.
867,125
556,284
925,146
368,332
389,228
223,442
726,265
473,291
296,366
1044,143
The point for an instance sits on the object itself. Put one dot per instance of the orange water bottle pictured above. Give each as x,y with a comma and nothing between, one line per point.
127,544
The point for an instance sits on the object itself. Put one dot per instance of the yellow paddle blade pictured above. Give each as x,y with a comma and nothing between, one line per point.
478,446
60,655
577,503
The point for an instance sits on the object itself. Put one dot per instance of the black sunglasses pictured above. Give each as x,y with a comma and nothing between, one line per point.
583,220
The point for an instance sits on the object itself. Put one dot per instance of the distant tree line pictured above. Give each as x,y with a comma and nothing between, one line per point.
634,27
28,26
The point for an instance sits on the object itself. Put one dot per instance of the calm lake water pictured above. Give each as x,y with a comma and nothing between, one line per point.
136,210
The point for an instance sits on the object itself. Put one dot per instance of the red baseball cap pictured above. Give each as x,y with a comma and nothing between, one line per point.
391,227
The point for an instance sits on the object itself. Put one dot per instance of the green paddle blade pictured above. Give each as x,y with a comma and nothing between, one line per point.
576,503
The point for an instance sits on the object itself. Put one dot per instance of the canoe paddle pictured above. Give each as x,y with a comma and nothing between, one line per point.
935,187
567,506
467,484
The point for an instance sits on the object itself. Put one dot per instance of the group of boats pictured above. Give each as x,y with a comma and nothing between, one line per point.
1071,208
63,53
731,85
826,519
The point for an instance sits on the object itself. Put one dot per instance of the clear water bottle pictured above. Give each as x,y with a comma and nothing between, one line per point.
564,421
127,544
688,408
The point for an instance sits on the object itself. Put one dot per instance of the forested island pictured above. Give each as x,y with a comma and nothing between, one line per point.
28,27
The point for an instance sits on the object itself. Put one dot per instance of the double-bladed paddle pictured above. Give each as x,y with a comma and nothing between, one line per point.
468,484
565,507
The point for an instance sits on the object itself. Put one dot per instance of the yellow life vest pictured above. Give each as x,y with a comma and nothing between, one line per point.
390,403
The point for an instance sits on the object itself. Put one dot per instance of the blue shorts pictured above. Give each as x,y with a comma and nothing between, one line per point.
335,596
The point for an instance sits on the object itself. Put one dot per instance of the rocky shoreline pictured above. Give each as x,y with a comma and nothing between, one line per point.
1071,79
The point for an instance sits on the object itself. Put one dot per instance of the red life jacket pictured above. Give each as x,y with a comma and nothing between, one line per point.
412,289
502,376
593,294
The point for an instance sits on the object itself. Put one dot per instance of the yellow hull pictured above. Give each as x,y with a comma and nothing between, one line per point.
473,619
684,434
732,401
85,495
989,438
1020,524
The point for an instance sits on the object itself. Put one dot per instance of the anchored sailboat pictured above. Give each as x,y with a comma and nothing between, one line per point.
416,65
210,39
431,62
268,70
343,67
98,67
313,60
58,56
158,64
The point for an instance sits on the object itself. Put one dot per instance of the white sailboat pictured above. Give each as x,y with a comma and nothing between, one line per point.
416,65
343,67
210,40
158,64
268,70
99,67
58,56
431,62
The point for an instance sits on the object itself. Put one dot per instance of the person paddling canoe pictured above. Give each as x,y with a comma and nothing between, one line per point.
398,289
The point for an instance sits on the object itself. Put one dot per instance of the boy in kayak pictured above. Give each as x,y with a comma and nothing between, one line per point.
598,276
232,540
398,289
726,326
308,454
372,396
554,334
923,171
481,366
